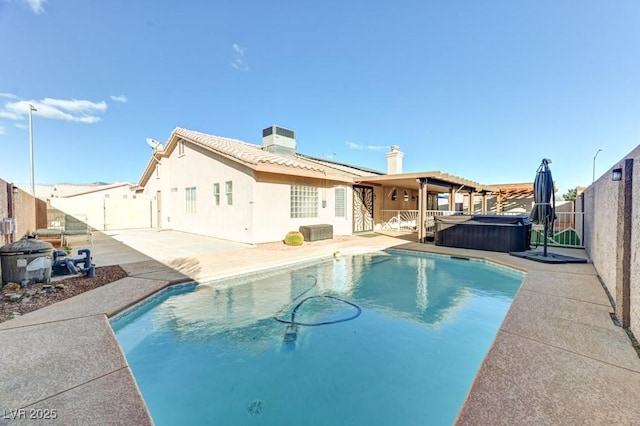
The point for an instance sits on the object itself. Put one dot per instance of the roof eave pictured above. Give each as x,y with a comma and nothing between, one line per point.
296,171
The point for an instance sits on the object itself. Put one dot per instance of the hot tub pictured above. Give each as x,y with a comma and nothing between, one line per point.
484,232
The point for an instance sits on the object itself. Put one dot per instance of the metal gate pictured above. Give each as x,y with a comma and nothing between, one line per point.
362,208
568,231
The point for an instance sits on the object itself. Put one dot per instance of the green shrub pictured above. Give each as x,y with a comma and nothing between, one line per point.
294,238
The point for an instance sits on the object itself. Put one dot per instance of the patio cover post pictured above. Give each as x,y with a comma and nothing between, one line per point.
484,202
422,204
452,199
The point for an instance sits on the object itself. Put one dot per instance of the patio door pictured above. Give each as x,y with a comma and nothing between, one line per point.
362,208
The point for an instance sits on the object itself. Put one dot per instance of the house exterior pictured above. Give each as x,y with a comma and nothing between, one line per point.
234,190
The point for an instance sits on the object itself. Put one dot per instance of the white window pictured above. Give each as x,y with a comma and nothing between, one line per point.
190,199
340,193
157,171
181,148
304,201
216,193
229,189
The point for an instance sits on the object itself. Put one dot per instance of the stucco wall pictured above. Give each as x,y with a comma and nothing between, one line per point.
260,210
273,201
195,168
24,211
602,200
635,246
4,199
24,206
4,209
107,213
150,192
384,201
113,208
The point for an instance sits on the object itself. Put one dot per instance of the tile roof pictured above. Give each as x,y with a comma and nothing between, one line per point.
67,189
42,191
357,170
244,152
254,157
87,189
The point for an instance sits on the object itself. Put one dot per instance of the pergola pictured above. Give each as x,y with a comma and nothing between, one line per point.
434,182
512,191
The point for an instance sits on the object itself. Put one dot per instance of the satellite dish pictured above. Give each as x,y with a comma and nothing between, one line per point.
154,144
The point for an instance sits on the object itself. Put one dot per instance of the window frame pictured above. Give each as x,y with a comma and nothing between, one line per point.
190,200
228,189
340,205
216,193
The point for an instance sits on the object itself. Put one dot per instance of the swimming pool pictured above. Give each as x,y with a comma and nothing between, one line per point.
403,335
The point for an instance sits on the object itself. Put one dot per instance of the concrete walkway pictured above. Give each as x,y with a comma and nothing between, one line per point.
557,358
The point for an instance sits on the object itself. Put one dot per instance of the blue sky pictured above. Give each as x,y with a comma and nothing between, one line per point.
479,89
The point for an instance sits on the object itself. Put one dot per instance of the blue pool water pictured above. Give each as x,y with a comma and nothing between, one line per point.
407,334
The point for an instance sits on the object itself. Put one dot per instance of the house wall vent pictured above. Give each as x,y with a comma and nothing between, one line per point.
278,140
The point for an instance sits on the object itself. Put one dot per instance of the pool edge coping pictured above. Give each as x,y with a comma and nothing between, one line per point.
493,257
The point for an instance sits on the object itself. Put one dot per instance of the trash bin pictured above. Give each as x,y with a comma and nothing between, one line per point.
26,261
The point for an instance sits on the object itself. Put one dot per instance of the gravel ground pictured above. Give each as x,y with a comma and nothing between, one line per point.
60,290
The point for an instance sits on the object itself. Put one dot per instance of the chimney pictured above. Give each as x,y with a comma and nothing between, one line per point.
278,140
394,160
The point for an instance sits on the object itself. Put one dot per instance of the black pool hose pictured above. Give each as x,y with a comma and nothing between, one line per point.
315,324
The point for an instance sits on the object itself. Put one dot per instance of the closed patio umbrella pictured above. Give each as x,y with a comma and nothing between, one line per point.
543,211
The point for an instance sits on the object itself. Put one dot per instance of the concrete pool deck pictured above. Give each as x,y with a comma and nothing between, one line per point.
557,358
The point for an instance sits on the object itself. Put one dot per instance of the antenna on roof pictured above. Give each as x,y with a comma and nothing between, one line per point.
154,144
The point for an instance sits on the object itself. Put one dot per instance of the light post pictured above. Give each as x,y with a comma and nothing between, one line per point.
594,165
33,185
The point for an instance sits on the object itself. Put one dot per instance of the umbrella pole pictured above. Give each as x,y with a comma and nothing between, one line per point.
544,253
